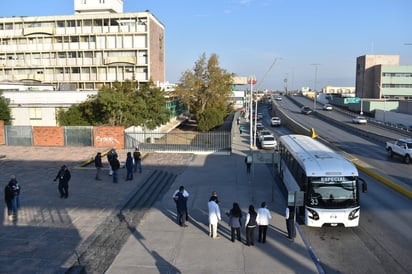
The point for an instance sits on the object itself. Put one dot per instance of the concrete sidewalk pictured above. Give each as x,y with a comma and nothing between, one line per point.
159,245
51,232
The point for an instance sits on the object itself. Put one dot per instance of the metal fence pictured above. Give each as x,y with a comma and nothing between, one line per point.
185,141
18,135
78,136
181,141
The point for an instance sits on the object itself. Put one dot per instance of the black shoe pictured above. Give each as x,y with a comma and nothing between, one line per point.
65,197
61,196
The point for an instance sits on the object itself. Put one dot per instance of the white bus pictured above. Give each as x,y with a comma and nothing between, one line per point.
329,182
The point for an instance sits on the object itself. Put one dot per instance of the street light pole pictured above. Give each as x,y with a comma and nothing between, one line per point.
251,81
316,78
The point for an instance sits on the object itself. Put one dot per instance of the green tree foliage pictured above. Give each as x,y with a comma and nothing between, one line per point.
206,91
124,104
5,112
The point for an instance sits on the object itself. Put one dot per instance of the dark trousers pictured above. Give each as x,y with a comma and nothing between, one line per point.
129,174
262,233
250,235
232,233
248,168
181,216
64,189
290,225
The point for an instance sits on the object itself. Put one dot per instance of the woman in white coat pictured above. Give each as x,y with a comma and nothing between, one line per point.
214,217
262,219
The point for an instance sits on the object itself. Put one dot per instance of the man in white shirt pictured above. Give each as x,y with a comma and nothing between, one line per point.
214,217
263,217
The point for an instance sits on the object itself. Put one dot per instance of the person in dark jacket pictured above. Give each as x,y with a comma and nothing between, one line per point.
250,226
129,167
64,177
99,165
115,165
137,156
110,156
235,215
12,197
181,206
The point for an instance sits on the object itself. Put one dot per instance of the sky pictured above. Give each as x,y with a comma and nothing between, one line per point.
283,43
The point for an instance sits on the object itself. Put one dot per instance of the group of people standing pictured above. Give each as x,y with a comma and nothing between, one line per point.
254,219
133,164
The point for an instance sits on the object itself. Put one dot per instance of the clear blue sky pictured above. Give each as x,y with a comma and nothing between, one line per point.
248,35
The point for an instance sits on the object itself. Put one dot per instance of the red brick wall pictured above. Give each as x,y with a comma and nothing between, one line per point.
109,136
48,136
2,139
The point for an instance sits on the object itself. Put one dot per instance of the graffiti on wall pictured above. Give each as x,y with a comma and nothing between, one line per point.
107,140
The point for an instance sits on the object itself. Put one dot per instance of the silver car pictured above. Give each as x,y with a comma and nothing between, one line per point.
360,120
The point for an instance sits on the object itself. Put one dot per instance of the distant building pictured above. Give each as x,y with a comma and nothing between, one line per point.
96,46
381,77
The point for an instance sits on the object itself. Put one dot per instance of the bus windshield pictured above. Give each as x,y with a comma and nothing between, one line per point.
332,193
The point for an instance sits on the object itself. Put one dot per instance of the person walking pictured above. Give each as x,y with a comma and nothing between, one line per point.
12,198
64,177
110,156
214,217
241,129
129,167
181,206
115,164
250,226
137,156
235,216
185,194
262,220
290,221
248,162
99,165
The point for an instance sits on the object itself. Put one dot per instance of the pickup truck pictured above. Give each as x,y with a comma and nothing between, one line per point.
401,147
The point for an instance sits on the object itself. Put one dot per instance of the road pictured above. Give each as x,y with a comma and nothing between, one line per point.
382,243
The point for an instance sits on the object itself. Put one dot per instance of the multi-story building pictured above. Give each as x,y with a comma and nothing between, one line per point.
381,77
96,46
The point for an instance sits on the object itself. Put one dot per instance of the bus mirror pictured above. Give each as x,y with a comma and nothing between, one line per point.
364,187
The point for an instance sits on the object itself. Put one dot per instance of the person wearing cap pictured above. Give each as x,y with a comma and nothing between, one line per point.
137,157
64,177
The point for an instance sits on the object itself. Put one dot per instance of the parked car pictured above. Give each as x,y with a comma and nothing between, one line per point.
306,110
275,121
360,120
268,142
278,98
327,107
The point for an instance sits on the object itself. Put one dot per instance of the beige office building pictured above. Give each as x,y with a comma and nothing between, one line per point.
96,46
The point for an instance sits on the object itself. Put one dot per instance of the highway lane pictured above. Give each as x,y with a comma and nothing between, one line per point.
368,150
382,243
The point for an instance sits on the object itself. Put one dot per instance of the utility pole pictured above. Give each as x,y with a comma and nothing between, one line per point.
316,78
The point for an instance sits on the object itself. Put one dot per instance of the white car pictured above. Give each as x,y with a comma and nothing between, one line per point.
268,142
359,120
327,107
264,133
278,98
275,121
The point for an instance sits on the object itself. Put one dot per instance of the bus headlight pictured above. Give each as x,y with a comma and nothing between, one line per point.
312,214
353,214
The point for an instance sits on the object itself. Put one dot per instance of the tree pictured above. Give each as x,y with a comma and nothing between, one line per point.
206,91
5,112
125,104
